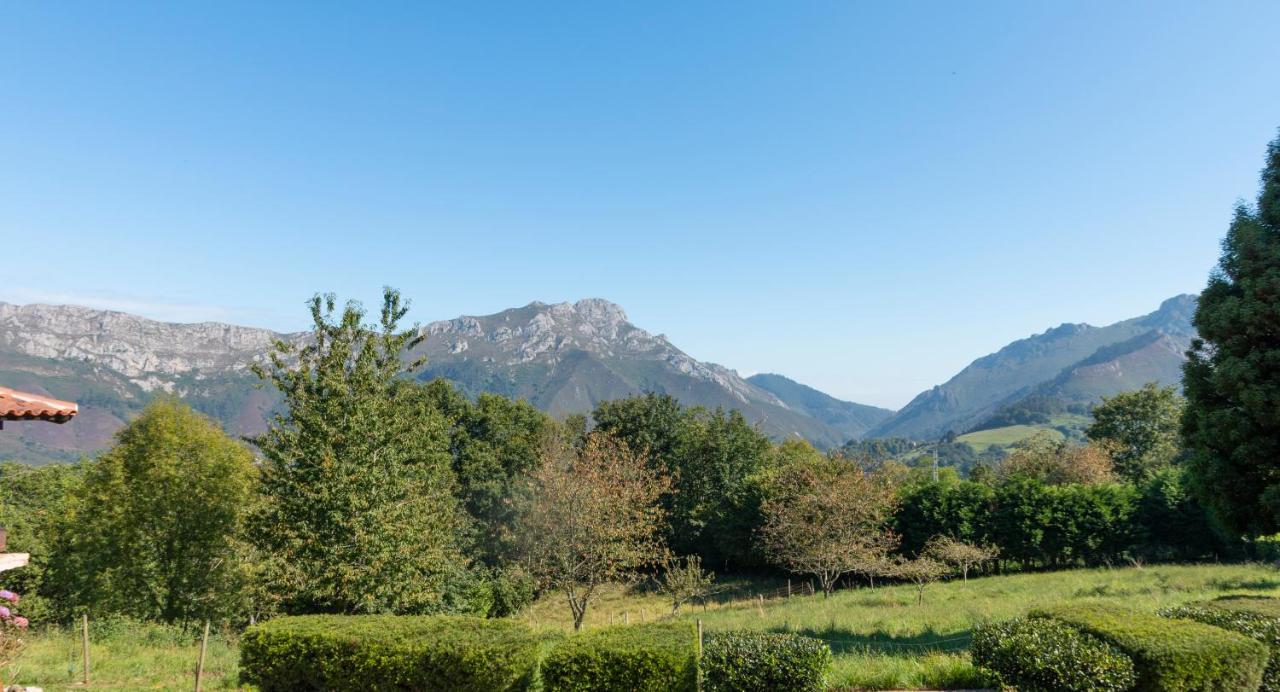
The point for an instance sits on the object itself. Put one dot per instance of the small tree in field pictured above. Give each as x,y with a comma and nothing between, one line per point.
921,571
594,518
960,555
684,580
826,518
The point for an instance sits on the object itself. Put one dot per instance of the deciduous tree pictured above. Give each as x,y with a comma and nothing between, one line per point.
960,555
157,520
359,513
1140,429
826,518
594,518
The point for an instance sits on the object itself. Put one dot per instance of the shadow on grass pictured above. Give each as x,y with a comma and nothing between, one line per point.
844,641
1245,584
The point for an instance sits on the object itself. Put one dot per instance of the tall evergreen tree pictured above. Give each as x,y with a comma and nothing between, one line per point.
359,513
1232,377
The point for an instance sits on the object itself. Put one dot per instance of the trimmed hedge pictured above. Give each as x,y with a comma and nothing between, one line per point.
1256,618
1043,655
1171,654
745,661
638,658
389,652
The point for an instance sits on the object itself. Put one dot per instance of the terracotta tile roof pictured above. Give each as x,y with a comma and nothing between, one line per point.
22,406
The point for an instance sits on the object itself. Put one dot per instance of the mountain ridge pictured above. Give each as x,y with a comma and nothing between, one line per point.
562,357
1022,367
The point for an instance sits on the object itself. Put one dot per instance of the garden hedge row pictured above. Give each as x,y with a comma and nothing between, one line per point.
746,661
1170,654
1043,655
639,658
348,652
1256,618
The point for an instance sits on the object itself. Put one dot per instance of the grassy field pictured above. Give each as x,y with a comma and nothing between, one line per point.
1004,437
125,657
882,639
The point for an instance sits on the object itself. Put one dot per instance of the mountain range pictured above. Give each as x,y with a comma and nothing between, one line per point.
563,358
1072,364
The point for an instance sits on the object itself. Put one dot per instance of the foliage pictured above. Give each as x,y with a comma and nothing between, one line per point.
34,504
745,661
713,458
683,580
359,513
1042,655
1058,462
1170,654
638,658
1172,525
494,443
594,519
328,652
960,555
920,571
827,518
1256,618
157,521
1139,429
1232,377
962,508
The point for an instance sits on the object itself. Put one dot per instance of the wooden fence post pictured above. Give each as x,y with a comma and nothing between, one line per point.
699,653
204,645
788,587
84,641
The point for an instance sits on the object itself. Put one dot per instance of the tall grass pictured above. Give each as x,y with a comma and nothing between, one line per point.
125,656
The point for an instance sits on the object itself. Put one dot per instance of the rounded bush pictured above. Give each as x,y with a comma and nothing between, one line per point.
388,652
1170,654
639,658
1042,655
1256,618
746,661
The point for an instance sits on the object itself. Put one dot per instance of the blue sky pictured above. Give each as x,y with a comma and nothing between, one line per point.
864,197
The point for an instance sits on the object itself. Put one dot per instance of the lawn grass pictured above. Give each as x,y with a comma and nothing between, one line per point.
881,638
132,657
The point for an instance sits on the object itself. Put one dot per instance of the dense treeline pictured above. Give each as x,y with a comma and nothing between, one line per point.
373,492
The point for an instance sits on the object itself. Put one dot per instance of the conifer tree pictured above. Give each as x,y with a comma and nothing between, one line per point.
1232,377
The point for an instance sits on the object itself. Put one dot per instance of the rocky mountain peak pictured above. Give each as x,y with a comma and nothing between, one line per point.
147,351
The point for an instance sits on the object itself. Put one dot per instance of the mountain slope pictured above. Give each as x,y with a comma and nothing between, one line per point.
563,358
1079,363
853,420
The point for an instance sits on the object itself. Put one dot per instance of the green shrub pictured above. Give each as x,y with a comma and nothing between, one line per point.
639,658
746,661
337,652
1256,618
1171,654
1042,655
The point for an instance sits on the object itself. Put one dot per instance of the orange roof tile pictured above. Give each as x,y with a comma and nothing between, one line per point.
16,405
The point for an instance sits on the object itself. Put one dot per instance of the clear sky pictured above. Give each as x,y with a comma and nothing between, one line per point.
864,197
